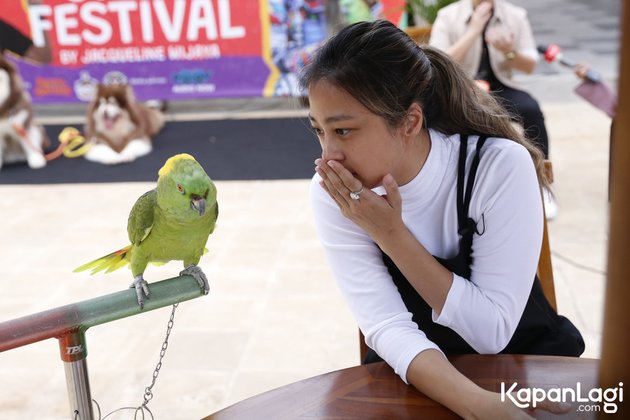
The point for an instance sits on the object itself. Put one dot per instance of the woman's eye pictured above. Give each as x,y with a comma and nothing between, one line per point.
338,131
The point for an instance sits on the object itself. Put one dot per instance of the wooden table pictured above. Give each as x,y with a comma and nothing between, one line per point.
376,392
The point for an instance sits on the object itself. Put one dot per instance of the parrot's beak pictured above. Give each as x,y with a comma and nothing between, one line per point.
199,205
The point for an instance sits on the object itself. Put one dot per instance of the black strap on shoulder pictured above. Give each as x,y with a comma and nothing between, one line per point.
463,199
461,174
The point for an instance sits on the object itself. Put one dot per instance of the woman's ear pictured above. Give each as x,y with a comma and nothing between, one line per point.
414,120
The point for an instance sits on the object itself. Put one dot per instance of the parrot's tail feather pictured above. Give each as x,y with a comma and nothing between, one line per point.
116,266
109,262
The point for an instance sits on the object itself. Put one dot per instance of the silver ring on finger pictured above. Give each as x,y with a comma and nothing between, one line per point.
355,195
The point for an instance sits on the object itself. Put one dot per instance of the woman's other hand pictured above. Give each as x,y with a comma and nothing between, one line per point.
500,39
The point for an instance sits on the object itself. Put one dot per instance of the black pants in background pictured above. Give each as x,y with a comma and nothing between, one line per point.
524,109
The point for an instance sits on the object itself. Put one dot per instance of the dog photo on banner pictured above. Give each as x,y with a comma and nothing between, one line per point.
21,139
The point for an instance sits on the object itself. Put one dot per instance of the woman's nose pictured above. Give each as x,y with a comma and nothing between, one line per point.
331,151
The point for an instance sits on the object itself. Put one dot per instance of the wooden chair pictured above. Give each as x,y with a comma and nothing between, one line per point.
420,34
544,270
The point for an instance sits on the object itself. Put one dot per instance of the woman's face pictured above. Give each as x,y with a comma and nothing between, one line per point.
355,137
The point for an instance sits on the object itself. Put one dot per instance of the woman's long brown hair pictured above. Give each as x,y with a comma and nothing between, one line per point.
386,71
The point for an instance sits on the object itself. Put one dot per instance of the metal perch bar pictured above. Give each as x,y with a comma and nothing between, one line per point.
59,321
68,324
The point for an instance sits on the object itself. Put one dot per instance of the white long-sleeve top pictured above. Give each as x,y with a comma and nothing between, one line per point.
483,311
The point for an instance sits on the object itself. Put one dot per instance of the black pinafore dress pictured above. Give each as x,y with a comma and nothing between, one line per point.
540,331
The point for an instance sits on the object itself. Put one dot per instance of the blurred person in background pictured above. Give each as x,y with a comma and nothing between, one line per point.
491,39
602,97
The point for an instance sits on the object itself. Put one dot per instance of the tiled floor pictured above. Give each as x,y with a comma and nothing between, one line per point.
273,315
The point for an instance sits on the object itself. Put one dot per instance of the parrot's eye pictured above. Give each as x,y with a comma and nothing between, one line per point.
180,188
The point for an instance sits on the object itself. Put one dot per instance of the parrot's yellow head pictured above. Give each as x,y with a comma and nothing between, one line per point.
184,189
170,163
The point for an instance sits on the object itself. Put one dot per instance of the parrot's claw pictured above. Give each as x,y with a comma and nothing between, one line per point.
142,289
195,271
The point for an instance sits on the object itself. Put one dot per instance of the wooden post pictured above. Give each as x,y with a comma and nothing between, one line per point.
615,363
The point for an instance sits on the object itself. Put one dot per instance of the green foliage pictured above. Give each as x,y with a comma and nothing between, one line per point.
427,9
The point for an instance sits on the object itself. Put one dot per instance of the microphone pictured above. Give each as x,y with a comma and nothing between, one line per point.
553,53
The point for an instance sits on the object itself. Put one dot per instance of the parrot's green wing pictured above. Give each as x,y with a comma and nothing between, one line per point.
216,216
141,217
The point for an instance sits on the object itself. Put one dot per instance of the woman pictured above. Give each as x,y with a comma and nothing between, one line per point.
491,39
433,241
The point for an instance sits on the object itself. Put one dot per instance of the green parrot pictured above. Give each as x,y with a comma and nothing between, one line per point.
170,222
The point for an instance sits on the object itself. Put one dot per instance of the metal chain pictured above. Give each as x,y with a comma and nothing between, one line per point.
148,395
